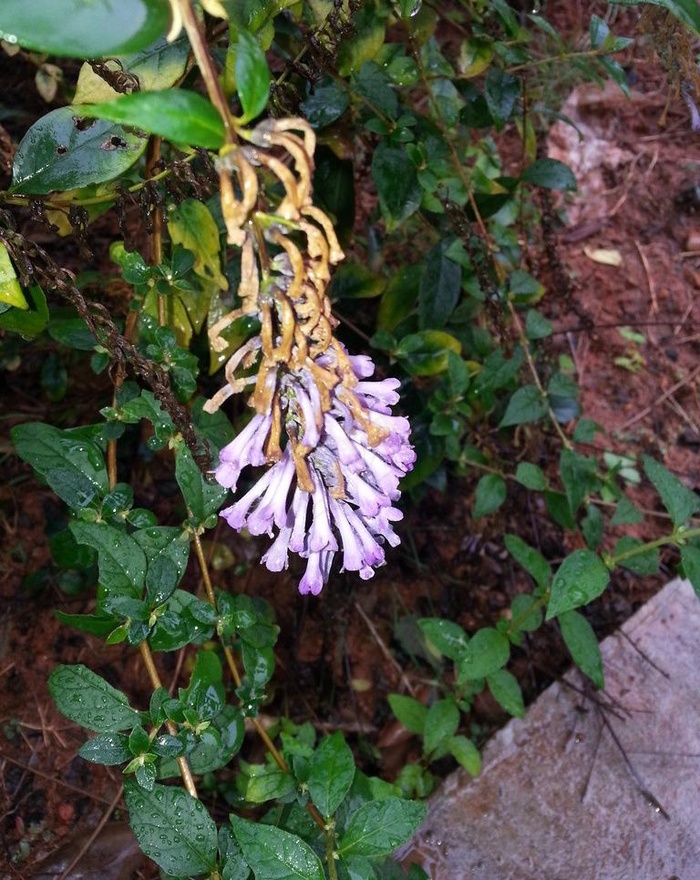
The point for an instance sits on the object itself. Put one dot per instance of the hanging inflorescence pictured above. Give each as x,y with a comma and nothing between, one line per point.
334,453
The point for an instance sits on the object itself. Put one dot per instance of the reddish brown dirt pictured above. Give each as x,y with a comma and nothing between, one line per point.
341,654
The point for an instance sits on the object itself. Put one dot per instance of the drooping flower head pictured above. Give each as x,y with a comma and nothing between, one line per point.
322,425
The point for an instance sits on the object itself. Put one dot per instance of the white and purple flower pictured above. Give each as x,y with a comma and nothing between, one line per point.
333,487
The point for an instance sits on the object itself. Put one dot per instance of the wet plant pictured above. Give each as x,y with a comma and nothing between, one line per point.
226,130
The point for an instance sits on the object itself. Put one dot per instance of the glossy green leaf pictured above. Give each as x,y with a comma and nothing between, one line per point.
71,465
583,645
79,29
426,353
550,174
680,502
441,724
266,782
491,492
121,562
578,476
501,91
63,150
409,711
439,289
331,772
202,496
580,579
252,76
90,701
109,749
27,322
397,185
276,854
487,651
191,225
379,827
167,550
506,692
175,114
325,103
172,828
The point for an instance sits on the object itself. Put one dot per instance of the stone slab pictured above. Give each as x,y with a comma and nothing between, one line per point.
589,785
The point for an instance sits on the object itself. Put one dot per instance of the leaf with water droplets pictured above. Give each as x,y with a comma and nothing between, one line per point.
275,854
86,698
121,562
73,466
379,827
581,578
172,828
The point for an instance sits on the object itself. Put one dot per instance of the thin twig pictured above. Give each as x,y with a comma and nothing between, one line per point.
659,400
383,648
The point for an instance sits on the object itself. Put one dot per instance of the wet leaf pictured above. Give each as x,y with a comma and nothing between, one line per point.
379,827
27,322
78,29
580,579
530,559
583,645
441,724
276,854
680,502
121,562
202,497
326,103
10,290
488,650
526,405
439,288
252,76
191,225
445,636
426,353
167,550
491,492
398,189
550,174
506,692
63,150
175,114
109,749
90,701
331,772
172,828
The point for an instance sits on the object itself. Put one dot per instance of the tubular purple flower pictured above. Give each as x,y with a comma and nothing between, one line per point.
317,570
245,449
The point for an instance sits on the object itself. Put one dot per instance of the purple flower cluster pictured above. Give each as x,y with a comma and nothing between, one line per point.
333,485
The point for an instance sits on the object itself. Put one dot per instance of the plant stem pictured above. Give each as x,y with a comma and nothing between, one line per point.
185,772
330,854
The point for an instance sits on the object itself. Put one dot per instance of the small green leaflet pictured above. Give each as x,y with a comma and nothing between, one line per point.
378,827
581,578
583,645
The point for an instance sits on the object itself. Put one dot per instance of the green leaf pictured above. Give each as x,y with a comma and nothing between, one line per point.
526,405
90,701
10,290
191,225
445,636
525,613
530,559
531,476
580,579
167,550
690,559
681,503
175,114
28,323
374,85
109,749
397,185
578,475
377,828
537,326
501,91
276,854
267,782
201,496
466,753
79,29
331,772
64,151
252,76
550,174
523,290
563,392
439,289
593,526
491,492
121,562
626,514
326,103
487,651
172,828
399,296
409,711
355,281
583,645
159,66
426,353
441,724
506,692
72,466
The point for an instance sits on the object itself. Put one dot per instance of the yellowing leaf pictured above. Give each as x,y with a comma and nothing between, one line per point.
192,225
10,291
606,256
